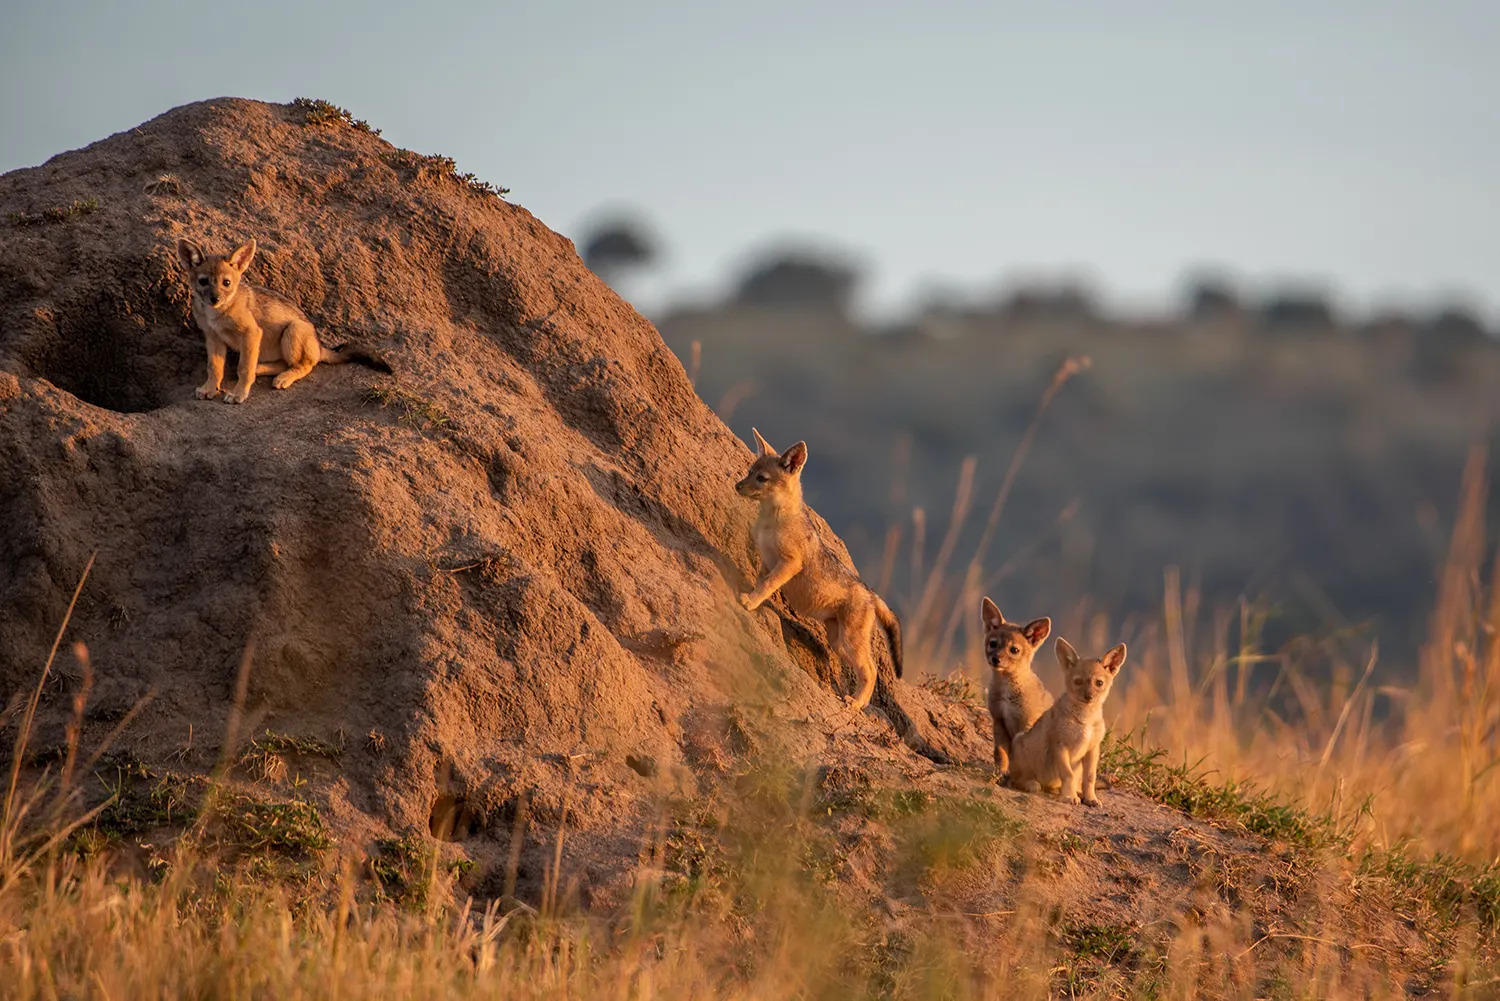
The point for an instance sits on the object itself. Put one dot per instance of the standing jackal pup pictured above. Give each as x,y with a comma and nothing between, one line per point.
1017,696
1061,750
270,333
813,580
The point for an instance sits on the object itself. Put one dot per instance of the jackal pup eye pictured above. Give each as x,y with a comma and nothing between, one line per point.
226,283
760,477
1015,650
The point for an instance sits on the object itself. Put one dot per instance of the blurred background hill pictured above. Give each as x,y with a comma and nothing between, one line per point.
1268,445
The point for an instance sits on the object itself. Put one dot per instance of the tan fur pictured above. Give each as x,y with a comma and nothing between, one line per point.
1061,750
1017,696
813,580
269,332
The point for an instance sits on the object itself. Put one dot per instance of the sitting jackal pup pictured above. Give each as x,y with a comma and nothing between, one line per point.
813,580
1061,750
1017,696
270,333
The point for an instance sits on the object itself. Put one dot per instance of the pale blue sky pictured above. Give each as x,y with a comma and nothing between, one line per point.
1354,143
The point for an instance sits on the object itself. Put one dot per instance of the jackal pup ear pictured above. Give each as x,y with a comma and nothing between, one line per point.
1066,655
242,255
795,458
989,613
1037,630
762,447
1113,659
189,253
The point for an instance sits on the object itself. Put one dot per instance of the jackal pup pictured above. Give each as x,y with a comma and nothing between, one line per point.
270,333
1017,696
1061,750
813,580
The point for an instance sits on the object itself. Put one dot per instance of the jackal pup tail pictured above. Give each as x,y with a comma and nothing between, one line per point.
892,627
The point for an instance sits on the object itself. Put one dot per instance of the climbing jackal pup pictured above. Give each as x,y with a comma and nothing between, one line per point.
1017,696
1061,750
270,333
813,580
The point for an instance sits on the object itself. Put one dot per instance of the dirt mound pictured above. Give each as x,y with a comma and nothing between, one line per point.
506,568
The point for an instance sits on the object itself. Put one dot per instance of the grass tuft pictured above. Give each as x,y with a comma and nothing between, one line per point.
1184,787
272,742
956,686
1109,943
1454,888
164,184
413,409
143,800
267,756
405,869
293,828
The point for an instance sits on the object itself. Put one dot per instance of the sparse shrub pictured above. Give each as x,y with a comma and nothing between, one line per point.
319,112
62,213
438,167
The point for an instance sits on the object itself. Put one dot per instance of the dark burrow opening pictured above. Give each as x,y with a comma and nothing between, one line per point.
120,365
452,819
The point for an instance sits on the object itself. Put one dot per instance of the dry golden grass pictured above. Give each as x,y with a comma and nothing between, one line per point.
79,934
1414,762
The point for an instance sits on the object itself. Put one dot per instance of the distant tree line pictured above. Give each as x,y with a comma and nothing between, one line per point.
798,277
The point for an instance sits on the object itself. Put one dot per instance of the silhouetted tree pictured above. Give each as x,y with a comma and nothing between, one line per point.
1443,343
799,278
1066,300
1456,324
1297,308
1388,321
618,245
1210,297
